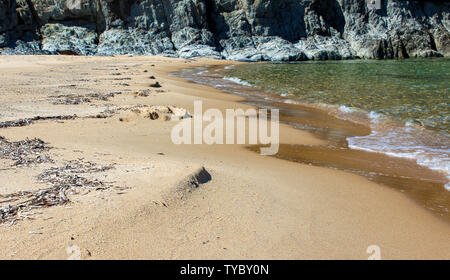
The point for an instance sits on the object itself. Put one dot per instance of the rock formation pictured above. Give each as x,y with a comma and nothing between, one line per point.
274,30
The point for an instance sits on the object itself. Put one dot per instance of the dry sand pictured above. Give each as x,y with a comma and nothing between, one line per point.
254,207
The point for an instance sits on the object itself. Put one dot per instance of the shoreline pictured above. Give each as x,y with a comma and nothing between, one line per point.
254,207
424,185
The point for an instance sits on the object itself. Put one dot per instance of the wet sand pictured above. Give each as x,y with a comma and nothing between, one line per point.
423,185
253,207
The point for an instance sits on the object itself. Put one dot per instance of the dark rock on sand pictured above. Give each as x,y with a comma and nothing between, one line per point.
156,85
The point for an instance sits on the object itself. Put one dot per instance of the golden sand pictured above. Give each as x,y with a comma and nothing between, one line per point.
254,207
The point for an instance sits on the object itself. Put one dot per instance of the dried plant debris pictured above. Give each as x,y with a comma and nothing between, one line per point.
103,96
28,121
122,79
111,111
67,177
69,99
75,99
78,167
25,152
64,180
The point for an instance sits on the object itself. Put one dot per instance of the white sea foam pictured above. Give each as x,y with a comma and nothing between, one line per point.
237,81
202,72
406,142
375,117
345,109
289,101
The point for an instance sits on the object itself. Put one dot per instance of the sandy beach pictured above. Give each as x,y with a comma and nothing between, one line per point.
95,110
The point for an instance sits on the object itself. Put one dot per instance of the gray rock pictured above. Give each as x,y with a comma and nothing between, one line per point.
20,47
240,48
278,49
81,40
399,29
191,36
196,51
133,42
60,10
246,30
322,48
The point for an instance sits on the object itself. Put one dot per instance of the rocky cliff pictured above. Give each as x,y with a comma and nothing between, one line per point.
276,30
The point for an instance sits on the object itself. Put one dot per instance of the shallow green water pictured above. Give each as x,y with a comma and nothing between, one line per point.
408,90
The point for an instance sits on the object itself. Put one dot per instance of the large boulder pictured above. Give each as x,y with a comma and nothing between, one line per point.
319,47
133,42
198,51
69,39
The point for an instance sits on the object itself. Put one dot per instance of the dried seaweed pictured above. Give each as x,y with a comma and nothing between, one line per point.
70,99
63,181
29,121
25,152
75,99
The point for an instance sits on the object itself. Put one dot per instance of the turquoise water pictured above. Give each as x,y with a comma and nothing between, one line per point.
405,102
415,91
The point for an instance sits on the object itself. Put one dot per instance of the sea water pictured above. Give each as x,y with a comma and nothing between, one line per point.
405,102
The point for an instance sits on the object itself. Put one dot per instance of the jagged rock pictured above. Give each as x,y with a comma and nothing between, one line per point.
193,51
277,49
398,29
134,42
24,47
240,49
60,10
322,48
189,36
248,30
60,38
